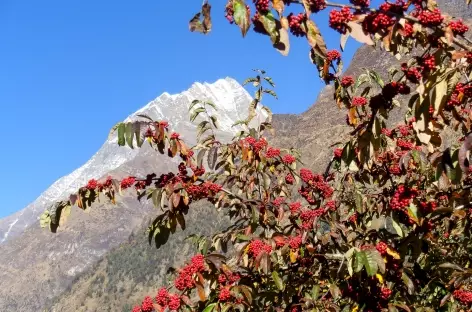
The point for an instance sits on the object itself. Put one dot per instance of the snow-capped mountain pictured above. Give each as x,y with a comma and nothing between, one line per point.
232,101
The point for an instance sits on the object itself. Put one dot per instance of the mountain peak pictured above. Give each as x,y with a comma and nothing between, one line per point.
232,102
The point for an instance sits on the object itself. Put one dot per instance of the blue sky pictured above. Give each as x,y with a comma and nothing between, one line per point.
69,70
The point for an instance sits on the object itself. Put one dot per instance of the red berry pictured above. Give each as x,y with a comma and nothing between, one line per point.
289,179
272,152
295,22
224,295
338,153
162,297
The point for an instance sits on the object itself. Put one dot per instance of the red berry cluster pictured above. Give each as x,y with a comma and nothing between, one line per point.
428,62
295,207
456,96
257,145
405,129
331,205
164,124
147,305
359,101
162,297
405,145
338,19
395,170
392,89
407,30
376,21
174,136
203,190
347,81
257,246
463,296
136,309
402,197
427,207
413,74
398,7
127,182
289,179
309,216
295,22
174,302
353,218
385,293
317,5
92,184
338,152
185,278
382,248
333,55
458,27
362,3
272,152
288,159
430,18
224,295
295,242
306,175
262,5
387,132
278,201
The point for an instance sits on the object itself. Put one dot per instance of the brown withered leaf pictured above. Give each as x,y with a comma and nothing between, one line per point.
456,55
449,35
196,24
352,116
315,39
278,6
358,33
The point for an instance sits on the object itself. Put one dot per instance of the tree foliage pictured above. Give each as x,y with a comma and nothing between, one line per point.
386,227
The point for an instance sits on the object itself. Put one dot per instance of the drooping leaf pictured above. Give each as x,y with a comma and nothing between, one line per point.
358,33
212,157
315,38
268,21
129,134
241,16
121,134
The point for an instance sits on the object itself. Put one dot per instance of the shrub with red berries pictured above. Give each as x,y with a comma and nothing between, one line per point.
384,225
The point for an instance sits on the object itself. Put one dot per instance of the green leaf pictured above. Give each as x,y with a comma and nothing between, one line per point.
315,291
271,92
408,283
278,281
241,16
413,212
129,133
375,262
270,26
270,81
359,261
210,307
121,134
156,197
214,121
195,113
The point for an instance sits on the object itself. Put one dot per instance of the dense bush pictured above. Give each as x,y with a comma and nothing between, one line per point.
385,227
